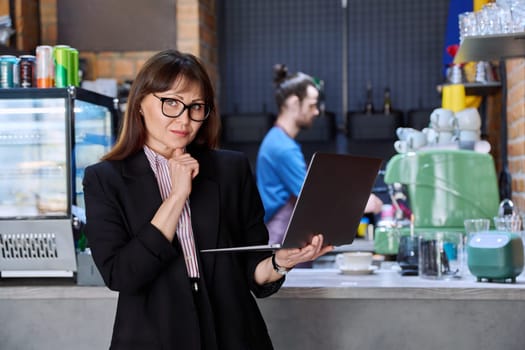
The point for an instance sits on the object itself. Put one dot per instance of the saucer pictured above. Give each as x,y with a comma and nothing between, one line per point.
367,271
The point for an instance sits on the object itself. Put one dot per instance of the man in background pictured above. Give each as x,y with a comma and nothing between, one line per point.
281,167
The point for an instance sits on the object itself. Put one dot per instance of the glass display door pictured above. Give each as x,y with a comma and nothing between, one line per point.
34,142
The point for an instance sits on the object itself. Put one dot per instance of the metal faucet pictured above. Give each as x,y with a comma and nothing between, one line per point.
506,207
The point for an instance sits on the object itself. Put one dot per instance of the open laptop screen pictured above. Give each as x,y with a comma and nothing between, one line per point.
332,201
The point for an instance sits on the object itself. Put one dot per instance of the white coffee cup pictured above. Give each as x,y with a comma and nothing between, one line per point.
468,119
401,146
469,135
445,137
402,133
354,261
432,135
416,139
442,119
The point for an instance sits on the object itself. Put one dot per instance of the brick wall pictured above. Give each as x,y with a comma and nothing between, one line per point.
516,128
196,33
48,22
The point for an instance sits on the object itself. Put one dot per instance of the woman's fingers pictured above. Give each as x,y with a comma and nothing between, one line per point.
292,257
184,162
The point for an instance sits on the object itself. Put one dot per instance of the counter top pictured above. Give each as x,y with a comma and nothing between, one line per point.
387,283
316,308
384,283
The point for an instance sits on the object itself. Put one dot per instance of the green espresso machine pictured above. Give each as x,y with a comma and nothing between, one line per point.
444,187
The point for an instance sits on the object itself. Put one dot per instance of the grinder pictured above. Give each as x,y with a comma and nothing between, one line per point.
495,255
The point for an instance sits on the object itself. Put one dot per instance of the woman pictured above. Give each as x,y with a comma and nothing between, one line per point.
162,194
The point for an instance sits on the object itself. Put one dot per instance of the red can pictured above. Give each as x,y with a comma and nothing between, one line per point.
27,71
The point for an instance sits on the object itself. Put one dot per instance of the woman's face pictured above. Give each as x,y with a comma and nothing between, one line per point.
164,134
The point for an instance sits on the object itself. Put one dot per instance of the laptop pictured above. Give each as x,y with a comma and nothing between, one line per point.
332,201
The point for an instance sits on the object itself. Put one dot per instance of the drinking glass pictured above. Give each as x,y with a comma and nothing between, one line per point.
407,255
440,255
475,225
509,223
467,25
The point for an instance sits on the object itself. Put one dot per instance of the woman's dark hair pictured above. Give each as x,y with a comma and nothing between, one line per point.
157,75
289,85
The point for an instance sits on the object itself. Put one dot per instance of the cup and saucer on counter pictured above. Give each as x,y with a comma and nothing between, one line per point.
355,263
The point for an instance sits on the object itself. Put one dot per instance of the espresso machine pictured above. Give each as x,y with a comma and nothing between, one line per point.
444,187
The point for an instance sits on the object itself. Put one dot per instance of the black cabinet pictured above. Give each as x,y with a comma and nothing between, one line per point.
375,126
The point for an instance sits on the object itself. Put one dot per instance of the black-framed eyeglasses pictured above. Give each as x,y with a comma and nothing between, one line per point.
173,108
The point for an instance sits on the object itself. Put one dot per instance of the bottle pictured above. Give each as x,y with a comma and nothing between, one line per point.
319,84
387,102
363,227
369,105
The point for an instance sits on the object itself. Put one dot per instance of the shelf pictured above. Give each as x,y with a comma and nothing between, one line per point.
491,47
481,89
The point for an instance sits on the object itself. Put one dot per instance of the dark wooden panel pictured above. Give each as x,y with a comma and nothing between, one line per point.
116,25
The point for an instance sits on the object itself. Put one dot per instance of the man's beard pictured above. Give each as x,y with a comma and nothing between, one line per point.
303,125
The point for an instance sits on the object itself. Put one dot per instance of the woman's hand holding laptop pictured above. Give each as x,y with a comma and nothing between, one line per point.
284,259
290,257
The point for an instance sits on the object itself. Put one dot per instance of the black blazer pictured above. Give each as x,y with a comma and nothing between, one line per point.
156,307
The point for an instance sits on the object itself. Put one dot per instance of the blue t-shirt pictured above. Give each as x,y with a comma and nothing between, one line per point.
280,170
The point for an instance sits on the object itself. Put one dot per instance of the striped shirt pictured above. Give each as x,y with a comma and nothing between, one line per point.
184,231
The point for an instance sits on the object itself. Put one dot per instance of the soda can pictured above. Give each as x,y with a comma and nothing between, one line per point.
45,72
72,76
27,71
6,71
61,58
16,72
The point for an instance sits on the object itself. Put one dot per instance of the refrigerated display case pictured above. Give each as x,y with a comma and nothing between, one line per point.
47,138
